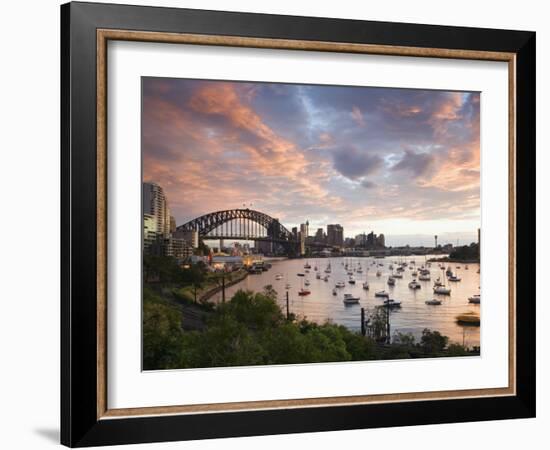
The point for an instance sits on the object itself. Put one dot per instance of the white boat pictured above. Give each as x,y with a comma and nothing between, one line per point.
442,290
340,284
366,285
278,276
391,303
414,273
301,274
350,299
326,278
433,301
454,277
288,286
307,283
476,299
414,284
438,282
424,277
381,294
318,276
334,291
351,280
391,281
466,267
307,266
378,273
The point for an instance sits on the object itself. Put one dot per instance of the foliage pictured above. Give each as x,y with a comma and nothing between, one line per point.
456,350
250,329
433,341
162,332
202,249
406,339
164,269
465,253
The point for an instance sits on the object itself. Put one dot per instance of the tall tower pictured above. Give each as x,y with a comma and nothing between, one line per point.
435,241
155,204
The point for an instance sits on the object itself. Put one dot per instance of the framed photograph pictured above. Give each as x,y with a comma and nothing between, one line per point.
276,224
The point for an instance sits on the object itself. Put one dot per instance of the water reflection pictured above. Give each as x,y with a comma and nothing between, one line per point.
413,316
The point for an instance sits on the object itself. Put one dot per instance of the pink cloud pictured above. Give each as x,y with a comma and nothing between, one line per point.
357,115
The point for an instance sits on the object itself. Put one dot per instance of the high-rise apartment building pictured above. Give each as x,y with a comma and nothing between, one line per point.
155,204
304,232
361,240
320,236
335,235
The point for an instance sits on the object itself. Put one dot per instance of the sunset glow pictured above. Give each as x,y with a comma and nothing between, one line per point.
398,161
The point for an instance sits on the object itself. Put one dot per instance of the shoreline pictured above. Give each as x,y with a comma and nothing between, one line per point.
454,260
211,292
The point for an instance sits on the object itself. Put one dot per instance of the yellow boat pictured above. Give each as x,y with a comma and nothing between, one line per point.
468,319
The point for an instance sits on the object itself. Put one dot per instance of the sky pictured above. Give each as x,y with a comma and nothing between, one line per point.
402,162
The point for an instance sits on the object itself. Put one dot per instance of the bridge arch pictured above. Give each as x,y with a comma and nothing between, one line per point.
207,223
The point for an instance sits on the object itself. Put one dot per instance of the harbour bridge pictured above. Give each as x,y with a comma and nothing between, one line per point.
243,224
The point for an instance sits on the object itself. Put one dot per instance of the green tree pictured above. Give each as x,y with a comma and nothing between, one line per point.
456,350
226,342
433,342
162,333
255,311
404,339
360,348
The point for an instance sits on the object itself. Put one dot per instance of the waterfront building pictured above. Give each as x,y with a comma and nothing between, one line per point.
149,232
155,204
361,240
320,236
304,229
371,240
171,246
190,236
227,263
304,233
335,235
295,233
172,224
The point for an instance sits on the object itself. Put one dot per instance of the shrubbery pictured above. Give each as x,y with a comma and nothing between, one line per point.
250,329
465,253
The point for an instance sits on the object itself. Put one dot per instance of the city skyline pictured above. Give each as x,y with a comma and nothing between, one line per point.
401,162
159,222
